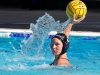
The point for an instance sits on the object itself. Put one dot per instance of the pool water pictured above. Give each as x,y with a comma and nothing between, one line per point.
83,54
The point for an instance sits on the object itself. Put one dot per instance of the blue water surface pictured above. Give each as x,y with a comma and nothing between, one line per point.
83,54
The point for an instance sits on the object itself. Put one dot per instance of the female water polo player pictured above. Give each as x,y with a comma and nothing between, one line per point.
60,44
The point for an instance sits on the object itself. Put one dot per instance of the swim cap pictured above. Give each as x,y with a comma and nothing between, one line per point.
62,37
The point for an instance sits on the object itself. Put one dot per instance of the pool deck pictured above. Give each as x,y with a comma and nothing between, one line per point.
15,18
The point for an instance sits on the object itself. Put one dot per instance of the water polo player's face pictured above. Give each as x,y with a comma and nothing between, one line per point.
56,46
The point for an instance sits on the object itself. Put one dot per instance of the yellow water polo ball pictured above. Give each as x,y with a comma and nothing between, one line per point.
76,7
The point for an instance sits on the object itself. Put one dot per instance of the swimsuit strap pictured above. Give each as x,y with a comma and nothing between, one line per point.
58,58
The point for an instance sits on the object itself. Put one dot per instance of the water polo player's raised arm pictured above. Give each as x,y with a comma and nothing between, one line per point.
72,21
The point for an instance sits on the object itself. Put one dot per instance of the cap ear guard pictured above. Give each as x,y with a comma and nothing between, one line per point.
65,47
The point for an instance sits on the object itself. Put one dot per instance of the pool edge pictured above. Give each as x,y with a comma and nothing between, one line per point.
73,33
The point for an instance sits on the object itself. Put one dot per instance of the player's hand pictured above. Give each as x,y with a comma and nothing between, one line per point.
74,21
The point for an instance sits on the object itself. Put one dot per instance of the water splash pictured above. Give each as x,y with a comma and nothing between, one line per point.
40,30
13,47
